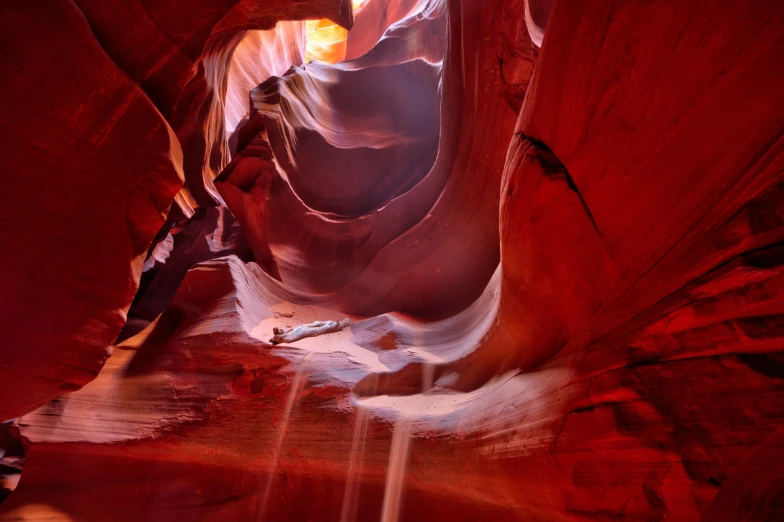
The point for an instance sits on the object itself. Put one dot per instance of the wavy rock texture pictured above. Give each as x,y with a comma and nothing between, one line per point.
373,20
347,244
170,404
91,179
210,233
216,99
95,167
557,228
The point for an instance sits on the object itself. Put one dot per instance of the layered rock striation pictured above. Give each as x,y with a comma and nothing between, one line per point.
555,229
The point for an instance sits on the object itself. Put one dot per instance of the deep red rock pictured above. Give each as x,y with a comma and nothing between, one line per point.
566,297
90,179
95,168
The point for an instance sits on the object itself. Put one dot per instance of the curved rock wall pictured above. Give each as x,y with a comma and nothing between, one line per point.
556,228
93,166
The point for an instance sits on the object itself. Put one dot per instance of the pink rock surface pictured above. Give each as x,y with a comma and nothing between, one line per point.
351,257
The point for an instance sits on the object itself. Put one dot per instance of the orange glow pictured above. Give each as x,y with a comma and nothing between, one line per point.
326,41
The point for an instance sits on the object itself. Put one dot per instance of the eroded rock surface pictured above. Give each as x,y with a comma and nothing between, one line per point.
93,166
556,229
90,180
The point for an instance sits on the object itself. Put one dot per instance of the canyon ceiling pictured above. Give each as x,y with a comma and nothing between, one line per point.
556,229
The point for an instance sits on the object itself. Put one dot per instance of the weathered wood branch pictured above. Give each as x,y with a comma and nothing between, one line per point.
307,330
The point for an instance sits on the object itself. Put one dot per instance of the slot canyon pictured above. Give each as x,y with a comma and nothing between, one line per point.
392,260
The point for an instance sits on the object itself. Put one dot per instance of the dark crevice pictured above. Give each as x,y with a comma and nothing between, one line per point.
12,458
583,409
555,170
764,257
767,257
762,364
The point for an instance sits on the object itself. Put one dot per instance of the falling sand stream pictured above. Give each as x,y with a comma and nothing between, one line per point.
396,474
351,495
399,454
296,388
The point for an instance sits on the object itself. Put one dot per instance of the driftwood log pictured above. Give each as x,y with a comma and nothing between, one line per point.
307,330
